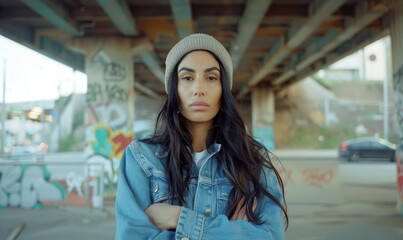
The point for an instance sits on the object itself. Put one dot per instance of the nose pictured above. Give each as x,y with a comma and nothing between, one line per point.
199,89
198,92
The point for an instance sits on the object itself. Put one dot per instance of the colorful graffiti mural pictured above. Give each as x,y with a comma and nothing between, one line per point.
108,145
31,186
109,115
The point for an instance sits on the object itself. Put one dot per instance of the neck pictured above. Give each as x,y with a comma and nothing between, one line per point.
199,133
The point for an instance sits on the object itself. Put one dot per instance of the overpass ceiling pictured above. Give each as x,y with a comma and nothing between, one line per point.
273,42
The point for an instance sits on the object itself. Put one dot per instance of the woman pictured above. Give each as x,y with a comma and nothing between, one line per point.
200,176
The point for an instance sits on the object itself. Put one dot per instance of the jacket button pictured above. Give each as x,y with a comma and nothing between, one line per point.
207,212
156,187
185,238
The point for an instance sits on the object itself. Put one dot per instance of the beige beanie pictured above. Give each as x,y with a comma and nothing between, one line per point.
197,41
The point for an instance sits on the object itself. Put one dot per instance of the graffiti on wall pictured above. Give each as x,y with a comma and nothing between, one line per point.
27,187
398,95
108,145
309,177
31,186
98,92
109,128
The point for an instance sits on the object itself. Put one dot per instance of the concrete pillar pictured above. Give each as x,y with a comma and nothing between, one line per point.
396,32
263,116
109,114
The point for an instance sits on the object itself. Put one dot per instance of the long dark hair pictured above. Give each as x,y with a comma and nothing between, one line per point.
242,157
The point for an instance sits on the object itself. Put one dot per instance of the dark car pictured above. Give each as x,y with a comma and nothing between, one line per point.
367,148
25,152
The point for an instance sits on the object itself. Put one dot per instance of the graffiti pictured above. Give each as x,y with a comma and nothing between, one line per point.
317,178
74,182
109,92
109,128
31,186
94,93
114,72
120,142
398,95
108,145
398,80
116,93
113,114
102,144
286,175
27,186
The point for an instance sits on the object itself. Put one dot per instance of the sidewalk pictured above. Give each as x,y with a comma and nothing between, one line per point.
349,221
61,223
306,154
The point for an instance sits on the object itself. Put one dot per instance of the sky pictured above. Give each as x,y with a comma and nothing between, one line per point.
31,76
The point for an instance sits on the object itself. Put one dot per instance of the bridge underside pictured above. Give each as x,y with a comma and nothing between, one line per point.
273,43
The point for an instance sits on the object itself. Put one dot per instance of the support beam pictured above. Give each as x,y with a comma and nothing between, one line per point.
362,39
320,13
143,48
55,13
120,15
252,16
333,39
146,91
182,12
153,64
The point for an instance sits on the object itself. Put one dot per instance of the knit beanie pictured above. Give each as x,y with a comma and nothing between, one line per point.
197,41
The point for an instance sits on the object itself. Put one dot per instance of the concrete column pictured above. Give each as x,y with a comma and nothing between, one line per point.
263,116
396,32
109,113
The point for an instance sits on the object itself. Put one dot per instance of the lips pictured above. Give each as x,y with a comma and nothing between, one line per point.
199,104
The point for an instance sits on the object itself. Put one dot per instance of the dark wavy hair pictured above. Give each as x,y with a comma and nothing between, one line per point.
242,157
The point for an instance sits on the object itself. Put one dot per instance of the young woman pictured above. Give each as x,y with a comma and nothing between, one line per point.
200,176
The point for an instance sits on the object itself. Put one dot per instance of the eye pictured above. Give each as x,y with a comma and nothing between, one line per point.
187,78
212,78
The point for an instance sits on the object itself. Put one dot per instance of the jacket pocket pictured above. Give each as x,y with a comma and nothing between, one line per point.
159,190
223,193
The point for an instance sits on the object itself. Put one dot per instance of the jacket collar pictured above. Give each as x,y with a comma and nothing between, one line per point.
162,152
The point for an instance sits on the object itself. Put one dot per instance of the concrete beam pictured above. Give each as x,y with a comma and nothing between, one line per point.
120,15
254,12
55,13
153,64
320,13
362,39
333,38
59,52
146,91
144,49
182,12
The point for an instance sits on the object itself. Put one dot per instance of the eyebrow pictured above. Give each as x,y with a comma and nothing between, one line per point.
192,70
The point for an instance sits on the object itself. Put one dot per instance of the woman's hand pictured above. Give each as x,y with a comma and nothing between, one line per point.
163,216
240,211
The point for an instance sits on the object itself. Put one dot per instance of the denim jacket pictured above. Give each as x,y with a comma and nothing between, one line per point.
142,182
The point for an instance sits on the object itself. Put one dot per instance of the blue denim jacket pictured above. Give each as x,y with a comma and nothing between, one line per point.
142,182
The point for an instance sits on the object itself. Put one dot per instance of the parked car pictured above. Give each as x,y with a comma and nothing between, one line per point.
367,148
25,152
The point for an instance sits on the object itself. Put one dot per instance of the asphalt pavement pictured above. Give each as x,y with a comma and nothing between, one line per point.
346,220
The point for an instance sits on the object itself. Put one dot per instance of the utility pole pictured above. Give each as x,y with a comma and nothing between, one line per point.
386,90
3,111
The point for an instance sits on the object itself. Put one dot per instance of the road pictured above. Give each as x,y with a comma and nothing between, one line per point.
359,202
328,199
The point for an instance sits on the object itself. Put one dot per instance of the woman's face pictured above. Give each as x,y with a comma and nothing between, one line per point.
199,87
